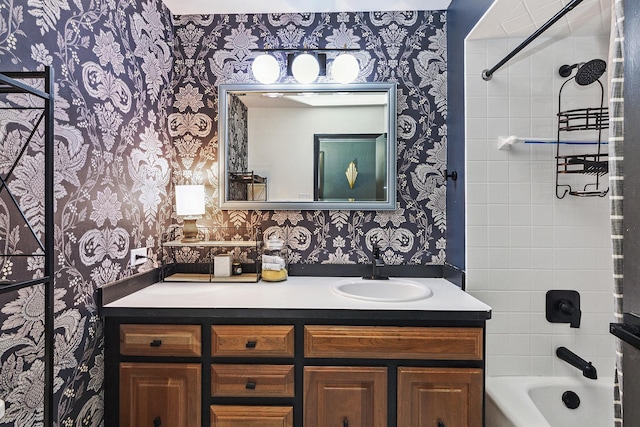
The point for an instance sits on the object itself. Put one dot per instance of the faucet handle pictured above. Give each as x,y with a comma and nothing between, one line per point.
567,307
563,306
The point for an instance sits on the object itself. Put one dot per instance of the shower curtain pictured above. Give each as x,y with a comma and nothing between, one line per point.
616,176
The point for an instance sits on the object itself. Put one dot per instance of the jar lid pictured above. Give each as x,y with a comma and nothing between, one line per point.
274,243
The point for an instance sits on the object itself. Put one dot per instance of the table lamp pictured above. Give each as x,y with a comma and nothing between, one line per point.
190,206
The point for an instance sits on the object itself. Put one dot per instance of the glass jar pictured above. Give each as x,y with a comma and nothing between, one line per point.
236,268
274,261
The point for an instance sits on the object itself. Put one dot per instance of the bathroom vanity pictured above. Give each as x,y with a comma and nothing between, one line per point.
295,353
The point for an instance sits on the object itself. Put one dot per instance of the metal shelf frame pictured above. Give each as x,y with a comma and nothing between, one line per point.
213,238
10,83
594,164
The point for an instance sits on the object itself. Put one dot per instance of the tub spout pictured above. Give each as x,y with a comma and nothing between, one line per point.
588,370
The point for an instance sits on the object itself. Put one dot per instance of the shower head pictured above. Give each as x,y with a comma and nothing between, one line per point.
588,72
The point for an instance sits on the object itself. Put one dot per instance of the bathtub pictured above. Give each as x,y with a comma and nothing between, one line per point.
538,402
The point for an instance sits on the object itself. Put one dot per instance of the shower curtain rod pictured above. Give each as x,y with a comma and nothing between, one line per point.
487,74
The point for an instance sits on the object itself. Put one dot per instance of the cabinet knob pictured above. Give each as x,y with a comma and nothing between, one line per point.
440,424
345,422
156,343
157,422
251,344
251,385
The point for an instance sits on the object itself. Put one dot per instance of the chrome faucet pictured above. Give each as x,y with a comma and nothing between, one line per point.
588,370
376,263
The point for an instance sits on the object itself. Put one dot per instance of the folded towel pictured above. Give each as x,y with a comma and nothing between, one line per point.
272,266
272,259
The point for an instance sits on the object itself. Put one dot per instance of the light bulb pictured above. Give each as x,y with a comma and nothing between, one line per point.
345,68
265,69
305,68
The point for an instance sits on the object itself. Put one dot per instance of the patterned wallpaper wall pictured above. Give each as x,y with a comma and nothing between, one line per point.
406,47
113,63
126,120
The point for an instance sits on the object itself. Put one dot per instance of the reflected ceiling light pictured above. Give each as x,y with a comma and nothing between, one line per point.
265,68
345,68
305,68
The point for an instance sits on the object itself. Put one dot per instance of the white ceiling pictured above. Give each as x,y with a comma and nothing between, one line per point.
520,18
190,7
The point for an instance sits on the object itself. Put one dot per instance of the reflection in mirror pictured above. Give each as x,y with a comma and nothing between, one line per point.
350,166
308,147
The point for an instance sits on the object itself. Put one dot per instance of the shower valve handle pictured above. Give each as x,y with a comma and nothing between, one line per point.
568,308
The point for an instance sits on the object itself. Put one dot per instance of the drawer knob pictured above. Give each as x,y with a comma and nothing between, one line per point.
251,385
157,422
345,422
251,344
440,424
156,343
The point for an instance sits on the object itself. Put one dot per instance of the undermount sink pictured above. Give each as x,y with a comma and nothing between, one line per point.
392,290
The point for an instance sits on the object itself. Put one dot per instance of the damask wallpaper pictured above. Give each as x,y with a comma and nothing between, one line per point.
113,71
136,104
406,47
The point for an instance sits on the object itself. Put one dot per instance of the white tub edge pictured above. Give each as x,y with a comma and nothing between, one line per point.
515,401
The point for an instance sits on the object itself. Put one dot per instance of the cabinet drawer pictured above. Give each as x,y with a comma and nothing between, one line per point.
252,380
390,342
251,416
160,340
251,341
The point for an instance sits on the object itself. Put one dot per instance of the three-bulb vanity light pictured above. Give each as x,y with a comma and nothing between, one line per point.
305,67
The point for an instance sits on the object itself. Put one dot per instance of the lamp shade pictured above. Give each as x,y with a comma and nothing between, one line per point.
265,68
305,68
345,68
189,200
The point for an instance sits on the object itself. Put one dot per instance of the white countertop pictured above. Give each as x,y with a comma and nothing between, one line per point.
298,292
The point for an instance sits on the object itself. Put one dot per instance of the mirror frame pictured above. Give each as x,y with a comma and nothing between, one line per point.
390,88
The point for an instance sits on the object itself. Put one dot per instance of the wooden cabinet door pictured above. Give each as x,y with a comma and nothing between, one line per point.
341,396
160,394
439,397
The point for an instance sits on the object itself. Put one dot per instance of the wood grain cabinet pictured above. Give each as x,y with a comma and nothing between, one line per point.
293,370
159,394
252,341
160,340
345,396
425,397
251,380
265,380
251,416
440,397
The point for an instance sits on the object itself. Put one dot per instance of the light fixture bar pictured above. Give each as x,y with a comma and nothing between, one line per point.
300,49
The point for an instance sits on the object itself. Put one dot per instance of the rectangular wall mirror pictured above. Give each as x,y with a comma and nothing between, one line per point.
322,146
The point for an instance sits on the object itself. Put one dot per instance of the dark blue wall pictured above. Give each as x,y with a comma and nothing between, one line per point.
462,15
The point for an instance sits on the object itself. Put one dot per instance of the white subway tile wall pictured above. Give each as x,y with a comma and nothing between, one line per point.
521,239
